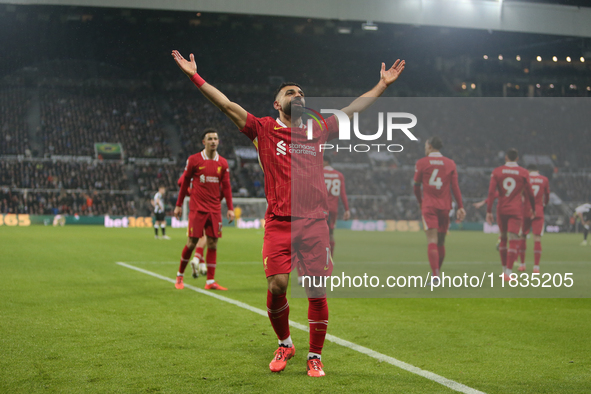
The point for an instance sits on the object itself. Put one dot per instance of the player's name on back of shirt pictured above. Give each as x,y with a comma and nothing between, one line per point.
437,162
331,175
509,171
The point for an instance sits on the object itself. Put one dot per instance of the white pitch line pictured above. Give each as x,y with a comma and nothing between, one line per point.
361,349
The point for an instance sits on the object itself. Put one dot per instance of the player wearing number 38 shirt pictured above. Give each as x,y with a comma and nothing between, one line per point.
437,174
512,183
335,185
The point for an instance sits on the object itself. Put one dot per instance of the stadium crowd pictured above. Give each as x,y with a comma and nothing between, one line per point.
72,122
63,175
66,203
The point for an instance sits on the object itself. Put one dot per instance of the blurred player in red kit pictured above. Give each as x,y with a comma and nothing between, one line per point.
295,227
512,183
335,186
437,175
541,188
207,170
198,263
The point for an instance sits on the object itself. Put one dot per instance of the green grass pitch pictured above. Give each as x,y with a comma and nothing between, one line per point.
73,321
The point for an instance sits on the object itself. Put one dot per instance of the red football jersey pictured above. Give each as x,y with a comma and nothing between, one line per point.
205,176
541,188
292,165
335,187
438,175
511,182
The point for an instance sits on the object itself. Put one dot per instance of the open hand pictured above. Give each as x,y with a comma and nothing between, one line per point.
391,75
189,67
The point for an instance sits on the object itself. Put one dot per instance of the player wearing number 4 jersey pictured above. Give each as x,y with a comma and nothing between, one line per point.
335,186
437,174
295,227
512,183
541,188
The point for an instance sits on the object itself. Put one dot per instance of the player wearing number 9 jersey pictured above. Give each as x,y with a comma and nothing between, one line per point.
335,185
541,188
437,174
512,183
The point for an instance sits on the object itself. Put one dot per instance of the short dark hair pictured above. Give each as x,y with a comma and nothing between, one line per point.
532,167
327,159
207,131
284,84
512,154
161,186
435,142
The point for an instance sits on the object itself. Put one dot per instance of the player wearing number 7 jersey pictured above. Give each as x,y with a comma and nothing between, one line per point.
541,188
512,183
437,174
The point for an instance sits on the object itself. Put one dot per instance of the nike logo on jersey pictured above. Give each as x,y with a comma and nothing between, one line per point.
277,128
201,168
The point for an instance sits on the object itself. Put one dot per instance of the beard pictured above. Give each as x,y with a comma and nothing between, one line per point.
294,111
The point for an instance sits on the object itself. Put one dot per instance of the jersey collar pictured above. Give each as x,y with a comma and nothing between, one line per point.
534,173
204,155
512,164
435,154
280,123
329,168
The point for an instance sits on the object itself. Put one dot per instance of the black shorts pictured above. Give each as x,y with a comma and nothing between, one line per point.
159,217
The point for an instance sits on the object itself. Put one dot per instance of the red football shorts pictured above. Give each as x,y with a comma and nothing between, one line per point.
509,223
435,218
210,221
536,225
332,220
291,241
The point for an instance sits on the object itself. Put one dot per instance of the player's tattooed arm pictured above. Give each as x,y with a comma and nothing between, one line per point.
235,112
387,77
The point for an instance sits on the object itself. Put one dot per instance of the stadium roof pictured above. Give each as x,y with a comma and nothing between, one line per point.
536,16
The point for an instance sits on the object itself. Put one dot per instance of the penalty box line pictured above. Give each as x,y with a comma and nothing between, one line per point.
353,346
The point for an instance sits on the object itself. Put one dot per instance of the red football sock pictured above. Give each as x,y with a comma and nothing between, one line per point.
331,247
537,252
185,256
503,251
441,250
318,320
199,253
512,252
522,248
433,258
210,258
278,312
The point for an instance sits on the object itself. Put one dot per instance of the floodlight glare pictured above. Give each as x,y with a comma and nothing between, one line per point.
369,26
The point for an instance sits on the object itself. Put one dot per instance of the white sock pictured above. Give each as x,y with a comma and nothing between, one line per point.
312,355
210,281
286,342
508,271
179,274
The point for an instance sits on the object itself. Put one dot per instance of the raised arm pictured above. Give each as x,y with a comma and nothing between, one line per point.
387,77
235,112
